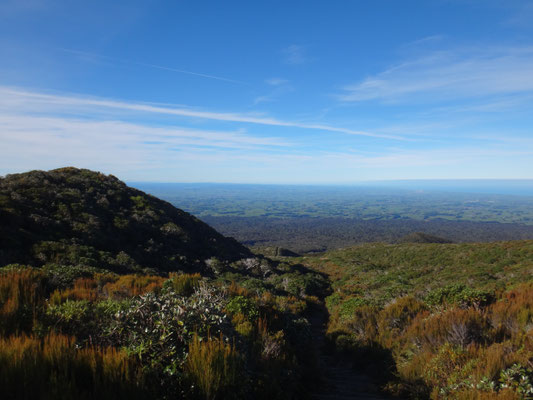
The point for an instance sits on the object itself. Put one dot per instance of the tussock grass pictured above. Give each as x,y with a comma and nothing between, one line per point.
53,368
213,367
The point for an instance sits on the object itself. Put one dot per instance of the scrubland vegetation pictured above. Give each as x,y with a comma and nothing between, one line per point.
102,335
444,321
109,293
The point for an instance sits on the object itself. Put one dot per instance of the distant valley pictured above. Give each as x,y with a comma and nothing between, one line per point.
317,218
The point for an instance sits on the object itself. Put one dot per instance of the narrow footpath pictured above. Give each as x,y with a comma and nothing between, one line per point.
339,380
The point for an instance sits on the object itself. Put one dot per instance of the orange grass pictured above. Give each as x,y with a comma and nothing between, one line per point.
53,368
212,366
21,295
185,284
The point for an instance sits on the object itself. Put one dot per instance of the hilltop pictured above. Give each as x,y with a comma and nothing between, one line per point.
76,216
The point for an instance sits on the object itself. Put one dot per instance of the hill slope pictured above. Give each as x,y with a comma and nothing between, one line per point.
439,321
77,216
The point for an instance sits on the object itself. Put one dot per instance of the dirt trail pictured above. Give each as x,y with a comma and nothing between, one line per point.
339,379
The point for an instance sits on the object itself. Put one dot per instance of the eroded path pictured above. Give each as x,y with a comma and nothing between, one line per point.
339,380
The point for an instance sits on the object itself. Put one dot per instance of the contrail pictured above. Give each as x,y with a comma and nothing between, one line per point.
181,71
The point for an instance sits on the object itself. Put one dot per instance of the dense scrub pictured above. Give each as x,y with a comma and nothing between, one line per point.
73,216
104,336
305,234
444,321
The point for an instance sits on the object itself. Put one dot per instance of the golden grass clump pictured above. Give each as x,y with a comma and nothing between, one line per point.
212,367
21,295
185,284
83,289
133,285
236,290
54,368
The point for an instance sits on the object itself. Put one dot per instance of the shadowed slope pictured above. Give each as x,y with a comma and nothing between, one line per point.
77,216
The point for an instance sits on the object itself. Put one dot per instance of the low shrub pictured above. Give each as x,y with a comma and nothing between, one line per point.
243,305
460,295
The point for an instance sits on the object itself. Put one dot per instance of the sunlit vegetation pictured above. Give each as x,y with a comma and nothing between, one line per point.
445,321
52,367
213,367
108,293
102,335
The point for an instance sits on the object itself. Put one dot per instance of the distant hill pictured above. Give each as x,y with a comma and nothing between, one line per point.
421,237
275,251
76,216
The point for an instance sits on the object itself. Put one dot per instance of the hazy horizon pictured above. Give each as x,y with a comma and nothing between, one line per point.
518,187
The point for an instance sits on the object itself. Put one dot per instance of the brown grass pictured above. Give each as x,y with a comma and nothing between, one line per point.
212,366
52,367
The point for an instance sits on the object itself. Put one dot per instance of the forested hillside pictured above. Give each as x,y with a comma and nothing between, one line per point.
80,217
98,300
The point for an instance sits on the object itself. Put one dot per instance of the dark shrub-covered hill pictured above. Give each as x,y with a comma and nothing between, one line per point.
73,216
421,237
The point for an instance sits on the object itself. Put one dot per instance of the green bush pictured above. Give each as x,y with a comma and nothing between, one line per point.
461,295
243,305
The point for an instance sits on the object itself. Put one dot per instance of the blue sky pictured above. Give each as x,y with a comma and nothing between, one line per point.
268,92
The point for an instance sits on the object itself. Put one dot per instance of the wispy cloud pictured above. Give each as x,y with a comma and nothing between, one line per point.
36,102
450,74
295,54
278,88
117,146
522,16
150,65
134,150
27,128
276,81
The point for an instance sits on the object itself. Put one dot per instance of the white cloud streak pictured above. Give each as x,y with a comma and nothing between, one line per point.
35,102
30,128
462,73
116,146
